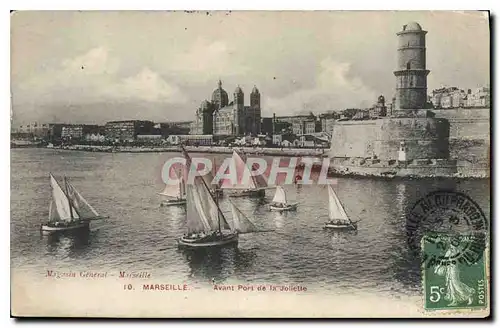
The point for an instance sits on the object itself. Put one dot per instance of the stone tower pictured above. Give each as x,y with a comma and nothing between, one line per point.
206,109
411,75
255,111
238,107
255,98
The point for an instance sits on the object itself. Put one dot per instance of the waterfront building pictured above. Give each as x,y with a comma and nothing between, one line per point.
77,131
480,97
266,125
150,138
223,118
379,109
190,139
182,125
168,128
34,129
451,97
95,137
49,131
277,139
127,130
298,128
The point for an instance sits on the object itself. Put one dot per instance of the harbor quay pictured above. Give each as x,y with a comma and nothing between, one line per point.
263,151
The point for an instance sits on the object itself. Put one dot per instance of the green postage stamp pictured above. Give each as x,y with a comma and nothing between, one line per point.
454,271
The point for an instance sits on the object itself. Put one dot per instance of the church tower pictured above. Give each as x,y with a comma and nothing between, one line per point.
255,98
255,111
411,74
238,108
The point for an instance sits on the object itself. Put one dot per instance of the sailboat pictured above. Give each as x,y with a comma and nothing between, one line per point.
68,209
255,186
206,225
209,178
337,214
280,202
175,193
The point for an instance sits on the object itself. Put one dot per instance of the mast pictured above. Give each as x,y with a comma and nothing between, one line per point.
69,201
218,214
219,211
179,176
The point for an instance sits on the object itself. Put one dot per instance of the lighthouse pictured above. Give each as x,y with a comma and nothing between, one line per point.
411,73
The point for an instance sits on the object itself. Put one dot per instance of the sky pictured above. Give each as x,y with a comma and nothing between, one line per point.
97,66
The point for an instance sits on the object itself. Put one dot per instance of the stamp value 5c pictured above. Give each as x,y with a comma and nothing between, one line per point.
449,281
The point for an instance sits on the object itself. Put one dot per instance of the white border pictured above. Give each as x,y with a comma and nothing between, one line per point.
178,5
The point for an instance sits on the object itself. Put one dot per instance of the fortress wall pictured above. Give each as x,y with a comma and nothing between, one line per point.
469,137
424,137
467,123
354,138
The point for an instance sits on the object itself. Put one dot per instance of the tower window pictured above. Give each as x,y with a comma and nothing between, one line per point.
408,64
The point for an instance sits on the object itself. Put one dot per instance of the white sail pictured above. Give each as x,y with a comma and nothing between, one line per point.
62,202
52,213
203,214
241,171
177,189
240,222
80,203
336,210
280,195
259,180
197,220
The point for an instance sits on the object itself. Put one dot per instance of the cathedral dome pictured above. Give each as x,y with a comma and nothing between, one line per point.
255,90
219,96
238,90
412,26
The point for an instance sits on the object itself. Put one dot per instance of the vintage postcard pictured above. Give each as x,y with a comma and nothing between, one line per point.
250,164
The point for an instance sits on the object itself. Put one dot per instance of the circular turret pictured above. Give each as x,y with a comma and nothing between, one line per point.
412,26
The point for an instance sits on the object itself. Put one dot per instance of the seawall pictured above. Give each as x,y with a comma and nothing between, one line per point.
449,145
469,139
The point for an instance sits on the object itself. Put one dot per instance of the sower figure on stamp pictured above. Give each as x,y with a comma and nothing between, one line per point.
456,291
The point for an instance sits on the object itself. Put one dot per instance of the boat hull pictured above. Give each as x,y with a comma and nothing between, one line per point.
331,226
218,241
173,202
77,227
289,207
249,193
